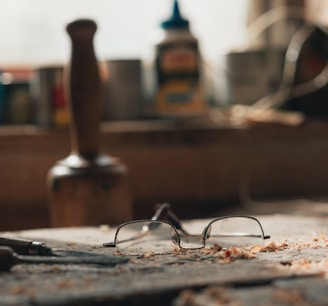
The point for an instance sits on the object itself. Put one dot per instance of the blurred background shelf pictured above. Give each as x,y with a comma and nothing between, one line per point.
199,169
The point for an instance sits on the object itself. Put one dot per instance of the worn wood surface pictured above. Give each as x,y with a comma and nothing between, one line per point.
290,270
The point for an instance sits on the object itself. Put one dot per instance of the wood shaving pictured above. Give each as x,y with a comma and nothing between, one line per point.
211,296
271,247
148,254
317,242
213,248
322,238
231,254
314,243
223,255
304,264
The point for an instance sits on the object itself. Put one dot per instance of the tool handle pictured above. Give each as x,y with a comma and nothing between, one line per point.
108,261
84,89
8,258
25,247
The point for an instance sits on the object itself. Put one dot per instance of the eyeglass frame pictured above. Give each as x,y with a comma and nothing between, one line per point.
174,222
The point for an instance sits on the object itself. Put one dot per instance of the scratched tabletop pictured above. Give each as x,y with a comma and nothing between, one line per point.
290,269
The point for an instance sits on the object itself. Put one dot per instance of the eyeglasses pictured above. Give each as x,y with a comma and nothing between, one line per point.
164,230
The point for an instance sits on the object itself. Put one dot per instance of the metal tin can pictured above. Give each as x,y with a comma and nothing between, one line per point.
49,99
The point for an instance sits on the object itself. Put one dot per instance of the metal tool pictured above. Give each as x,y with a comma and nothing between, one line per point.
8,258
31,247
88,187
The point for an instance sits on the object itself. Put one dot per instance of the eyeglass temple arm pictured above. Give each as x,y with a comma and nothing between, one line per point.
160,211
176,222
164,211
173,218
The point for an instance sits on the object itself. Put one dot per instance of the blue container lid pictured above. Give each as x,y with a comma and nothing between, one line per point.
176,20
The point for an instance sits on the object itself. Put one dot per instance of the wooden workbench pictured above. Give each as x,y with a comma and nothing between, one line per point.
290,270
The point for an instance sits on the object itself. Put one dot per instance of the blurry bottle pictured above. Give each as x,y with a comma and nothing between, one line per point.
178,90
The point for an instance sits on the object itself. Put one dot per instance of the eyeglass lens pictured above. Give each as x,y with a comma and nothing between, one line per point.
234,231
140,237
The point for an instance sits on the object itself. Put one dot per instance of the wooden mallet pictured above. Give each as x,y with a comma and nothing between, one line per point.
88,187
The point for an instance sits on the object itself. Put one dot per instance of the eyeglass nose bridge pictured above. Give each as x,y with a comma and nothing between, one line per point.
175,237
206,232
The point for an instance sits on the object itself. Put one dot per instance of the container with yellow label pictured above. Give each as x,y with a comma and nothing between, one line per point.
178,72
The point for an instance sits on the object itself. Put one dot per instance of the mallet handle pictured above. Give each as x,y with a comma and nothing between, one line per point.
84,89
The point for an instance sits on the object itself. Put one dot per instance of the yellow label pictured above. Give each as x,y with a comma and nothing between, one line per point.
179,91
181,98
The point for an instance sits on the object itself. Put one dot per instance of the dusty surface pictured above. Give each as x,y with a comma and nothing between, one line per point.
291,269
